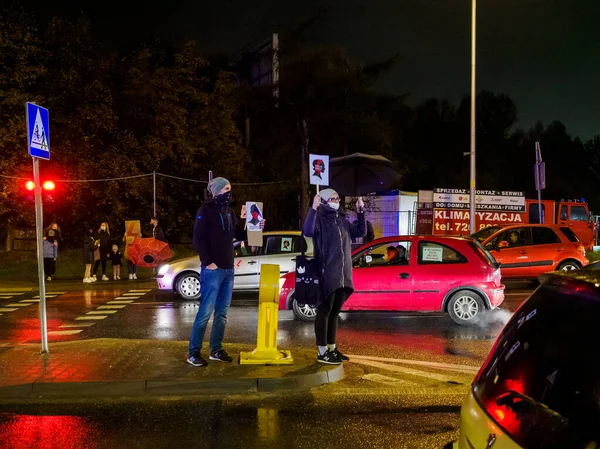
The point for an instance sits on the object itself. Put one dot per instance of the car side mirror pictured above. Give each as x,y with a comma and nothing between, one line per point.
502,244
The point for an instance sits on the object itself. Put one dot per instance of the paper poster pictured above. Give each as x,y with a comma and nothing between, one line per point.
286,244
432,254
318,167
132,232
254,216
243,214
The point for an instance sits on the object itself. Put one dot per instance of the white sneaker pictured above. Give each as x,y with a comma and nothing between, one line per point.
114,278
135,276
93,278
104,277
87,280
130,276
118,278
48,278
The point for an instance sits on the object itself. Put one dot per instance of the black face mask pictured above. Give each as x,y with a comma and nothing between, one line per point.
223,199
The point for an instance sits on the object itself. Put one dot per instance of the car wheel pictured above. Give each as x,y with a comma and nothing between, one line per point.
304,312
465,307
569,265
188,286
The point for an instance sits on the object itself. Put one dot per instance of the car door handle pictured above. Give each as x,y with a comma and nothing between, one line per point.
559,250
404,275
523,252
251,262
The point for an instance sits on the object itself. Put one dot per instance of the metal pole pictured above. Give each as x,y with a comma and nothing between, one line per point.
154,189
473,120
39,224
538,180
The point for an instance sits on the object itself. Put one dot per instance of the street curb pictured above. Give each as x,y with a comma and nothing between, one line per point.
156,387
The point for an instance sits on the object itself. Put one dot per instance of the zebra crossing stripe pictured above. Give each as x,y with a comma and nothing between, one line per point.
102,312
77,325
69,332
6,309
90,317
18,305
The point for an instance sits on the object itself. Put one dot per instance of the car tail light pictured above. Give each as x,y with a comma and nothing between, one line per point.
580,248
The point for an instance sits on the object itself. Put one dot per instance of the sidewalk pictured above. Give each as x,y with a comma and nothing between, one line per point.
106,367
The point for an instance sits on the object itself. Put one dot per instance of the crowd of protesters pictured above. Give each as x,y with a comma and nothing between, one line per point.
98,248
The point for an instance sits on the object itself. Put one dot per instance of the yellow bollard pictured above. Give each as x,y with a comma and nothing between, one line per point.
266,352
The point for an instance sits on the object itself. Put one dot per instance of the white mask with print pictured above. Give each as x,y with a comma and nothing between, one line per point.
334,206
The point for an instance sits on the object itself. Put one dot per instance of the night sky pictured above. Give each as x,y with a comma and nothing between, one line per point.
543,53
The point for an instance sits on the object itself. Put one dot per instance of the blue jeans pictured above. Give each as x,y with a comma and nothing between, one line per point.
216,287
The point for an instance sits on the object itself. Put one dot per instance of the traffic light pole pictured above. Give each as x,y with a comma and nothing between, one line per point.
39,225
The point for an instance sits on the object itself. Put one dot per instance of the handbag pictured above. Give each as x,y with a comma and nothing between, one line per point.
308,286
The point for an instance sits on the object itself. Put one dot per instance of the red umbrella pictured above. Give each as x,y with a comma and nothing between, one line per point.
149,253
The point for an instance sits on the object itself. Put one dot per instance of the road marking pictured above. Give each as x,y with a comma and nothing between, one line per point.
103,312
134,294
18,305
386,380
77,325
30,300
4,309
93,317
6,292
120,302
56,293
71,332
5,297
404,370
446,366
47,296
127,297
111,307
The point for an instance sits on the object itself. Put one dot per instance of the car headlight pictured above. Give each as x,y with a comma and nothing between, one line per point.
163,270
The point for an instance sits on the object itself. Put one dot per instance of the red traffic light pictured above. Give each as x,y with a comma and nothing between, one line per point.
49,185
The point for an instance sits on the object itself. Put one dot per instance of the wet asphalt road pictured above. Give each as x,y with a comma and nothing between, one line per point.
213,425
375,413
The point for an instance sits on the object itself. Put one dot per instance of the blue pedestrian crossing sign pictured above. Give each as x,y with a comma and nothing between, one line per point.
38,131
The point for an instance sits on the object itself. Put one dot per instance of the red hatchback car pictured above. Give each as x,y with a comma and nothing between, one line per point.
416,273
527,251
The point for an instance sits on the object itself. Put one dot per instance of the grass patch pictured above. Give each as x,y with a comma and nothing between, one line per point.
593,256
22,264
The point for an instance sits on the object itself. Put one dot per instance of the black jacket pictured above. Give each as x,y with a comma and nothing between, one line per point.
105,241
332,234
214,232
88,250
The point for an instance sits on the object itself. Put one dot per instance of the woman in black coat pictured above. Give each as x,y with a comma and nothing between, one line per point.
103,241
332,235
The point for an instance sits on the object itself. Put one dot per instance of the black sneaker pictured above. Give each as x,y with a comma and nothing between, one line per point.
341,356
329,357
196,360
221,356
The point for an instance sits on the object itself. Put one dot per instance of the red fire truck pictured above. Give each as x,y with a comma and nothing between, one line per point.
445,220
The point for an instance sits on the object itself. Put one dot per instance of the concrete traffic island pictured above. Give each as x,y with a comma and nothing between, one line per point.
106,367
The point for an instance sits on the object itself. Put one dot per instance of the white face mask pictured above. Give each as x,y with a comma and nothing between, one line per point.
103,228
334,206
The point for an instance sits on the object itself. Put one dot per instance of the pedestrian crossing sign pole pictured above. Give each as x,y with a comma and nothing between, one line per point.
38,145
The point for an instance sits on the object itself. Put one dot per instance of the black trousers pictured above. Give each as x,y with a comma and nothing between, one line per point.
49,266
103,259
326,322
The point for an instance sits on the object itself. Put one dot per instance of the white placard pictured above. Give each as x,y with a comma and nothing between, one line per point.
318,169
431,254
254,216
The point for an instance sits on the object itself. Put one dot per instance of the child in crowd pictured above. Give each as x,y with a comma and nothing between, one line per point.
116,257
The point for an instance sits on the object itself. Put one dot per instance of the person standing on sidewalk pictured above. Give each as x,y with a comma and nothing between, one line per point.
52,234
214,232
50,255
131,267
157,231
87,254
332,236
103,238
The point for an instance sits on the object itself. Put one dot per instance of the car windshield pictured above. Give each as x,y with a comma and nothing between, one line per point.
542,372
484,233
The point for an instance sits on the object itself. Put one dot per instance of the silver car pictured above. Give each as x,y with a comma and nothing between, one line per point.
281,248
